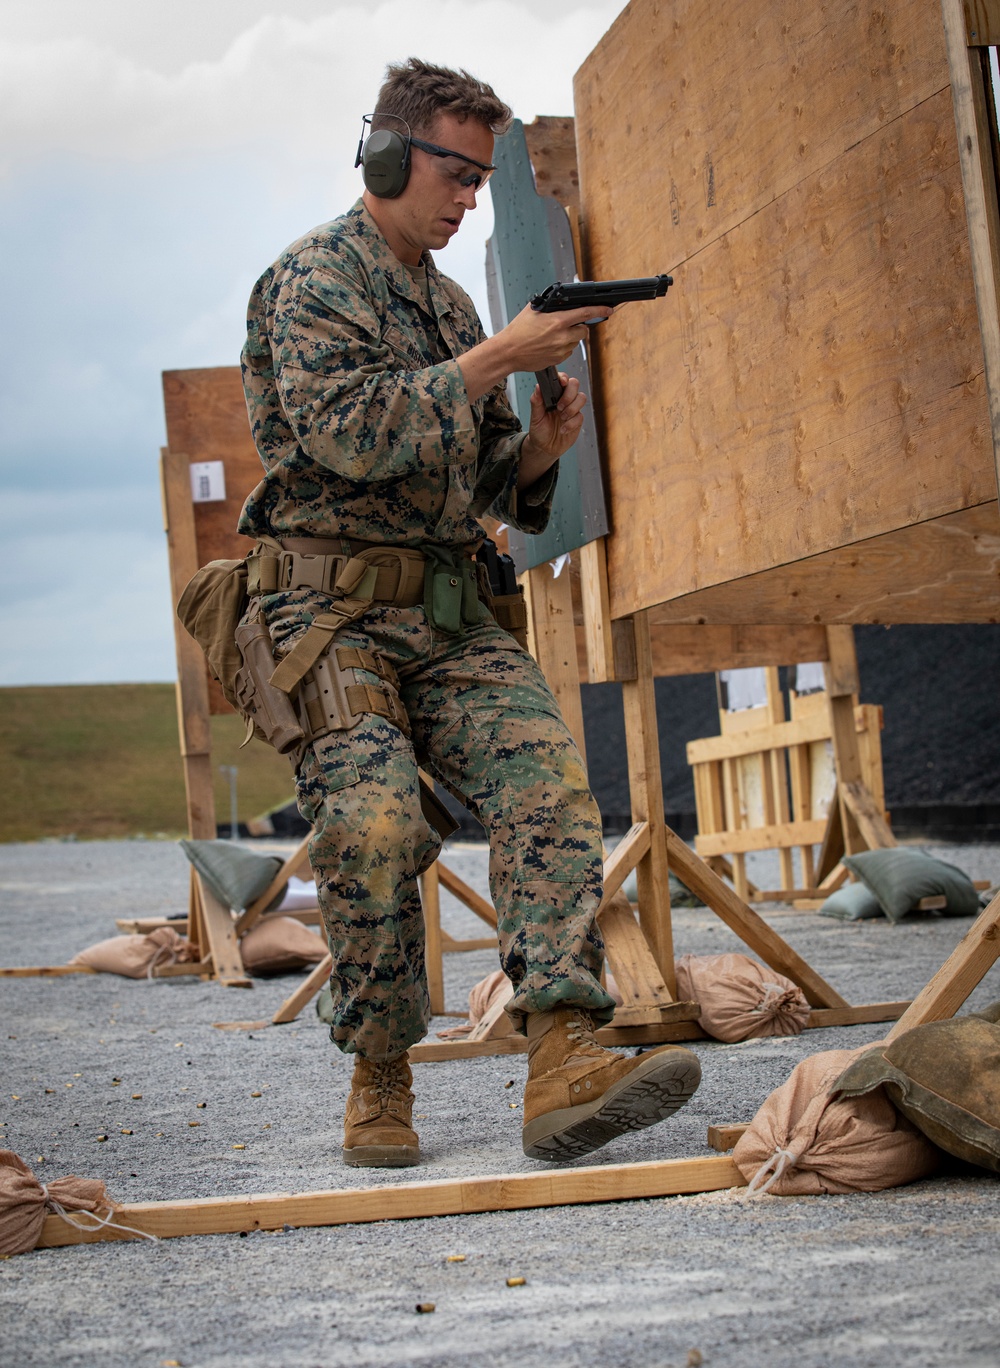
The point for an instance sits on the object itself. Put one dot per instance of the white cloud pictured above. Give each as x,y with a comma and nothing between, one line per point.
289,87
156,159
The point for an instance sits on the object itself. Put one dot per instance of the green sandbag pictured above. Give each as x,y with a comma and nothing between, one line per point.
900,877
945,1078
235,875
853,902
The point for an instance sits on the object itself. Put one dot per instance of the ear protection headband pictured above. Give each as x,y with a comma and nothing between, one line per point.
384,158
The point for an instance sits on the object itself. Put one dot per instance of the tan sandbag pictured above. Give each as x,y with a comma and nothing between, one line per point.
24,1202
807,1140
137,956
279,944
943,1076
740,998
482,996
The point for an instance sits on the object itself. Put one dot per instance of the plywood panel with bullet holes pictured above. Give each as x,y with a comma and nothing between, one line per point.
814,382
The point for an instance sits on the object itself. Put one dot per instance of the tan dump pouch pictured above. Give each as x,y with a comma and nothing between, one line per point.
332,699
210,609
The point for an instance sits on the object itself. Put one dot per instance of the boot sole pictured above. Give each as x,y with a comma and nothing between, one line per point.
382,1156
654,1090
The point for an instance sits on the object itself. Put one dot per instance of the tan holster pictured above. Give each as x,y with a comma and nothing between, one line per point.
331,698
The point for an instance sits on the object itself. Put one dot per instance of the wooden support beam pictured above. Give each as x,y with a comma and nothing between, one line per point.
751,928
552,639
760,838
192,678
963,970
596,612
874,829
403,1201
624,858
305,992
220,945
461,890
646,794
724,1138
298,860
982,22
430,900
636,973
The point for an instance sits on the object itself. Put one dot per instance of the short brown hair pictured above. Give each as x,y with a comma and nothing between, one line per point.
416,92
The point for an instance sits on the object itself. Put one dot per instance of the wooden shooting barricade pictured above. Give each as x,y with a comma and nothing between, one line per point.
767,782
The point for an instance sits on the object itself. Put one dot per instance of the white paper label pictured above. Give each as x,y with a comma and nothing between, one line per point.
208,482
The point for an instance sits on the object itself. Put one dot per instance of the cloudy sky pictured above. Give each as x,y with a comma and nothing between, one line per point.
154,159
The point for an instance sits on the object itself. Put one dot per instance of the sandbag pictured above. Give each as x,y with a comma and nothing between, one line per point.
24,1202
945,1078
853,902
900,877
739,998
277,945
482,996
137,956
235,875
806,1139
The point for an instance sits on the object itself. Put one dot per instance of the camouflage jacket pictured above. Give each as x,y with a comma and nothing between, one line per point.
358,408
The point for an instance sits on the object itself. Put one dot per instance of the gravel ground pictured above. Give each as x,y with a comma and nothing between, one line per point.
781,1281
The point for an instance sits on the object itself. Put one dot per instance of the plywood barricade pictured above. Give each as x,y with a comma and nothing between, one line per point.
806,438
207,423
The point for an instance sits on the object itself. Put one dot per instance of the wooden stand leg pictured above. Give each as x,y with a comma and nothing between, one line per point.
220,944
304,993
552,639
963,970
431,900
646,792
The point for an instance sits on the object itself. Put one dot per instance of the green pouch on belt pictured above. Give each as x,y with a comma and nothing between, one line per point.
451,595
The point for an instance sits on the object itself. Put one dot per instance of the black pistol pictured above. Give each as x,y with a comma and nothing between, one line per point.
577,295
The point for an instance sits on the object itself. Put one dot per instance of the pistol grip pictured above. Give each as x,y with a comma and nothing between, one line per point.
551,387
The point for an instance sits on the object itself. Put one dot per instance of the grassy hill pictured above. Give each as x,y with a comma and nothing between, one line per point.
103,760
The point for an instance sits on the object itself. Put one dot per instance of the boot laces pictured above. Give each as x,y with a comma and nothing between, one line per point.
385,1082
580,1030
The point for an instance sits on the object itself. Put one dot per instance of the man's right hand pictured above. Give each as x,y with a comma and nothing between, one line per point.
530,342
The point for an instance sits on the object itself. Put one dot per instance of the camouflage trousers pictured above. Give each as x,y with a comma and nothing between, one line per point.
486,726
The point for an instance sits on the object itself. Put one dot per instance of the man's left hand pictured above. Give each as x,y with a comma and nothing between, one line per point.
551,434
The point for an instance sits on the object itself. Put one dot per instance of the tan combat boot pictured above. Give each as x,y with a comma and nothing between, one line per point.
377,1130
579,1096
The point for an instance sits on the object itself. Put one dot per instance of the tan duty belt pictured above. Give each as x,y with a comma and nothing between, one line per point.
324,565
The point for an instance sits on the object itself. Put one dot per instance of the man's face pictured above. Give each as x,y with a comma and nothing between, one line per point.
430,210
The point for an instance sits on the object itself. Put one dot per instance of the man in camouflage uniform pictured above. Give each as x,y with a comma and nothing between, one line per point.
379,410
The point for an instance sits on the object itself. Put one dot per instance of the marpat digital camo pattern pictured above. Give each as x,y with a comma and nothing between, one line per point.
360,415
358,407
486,726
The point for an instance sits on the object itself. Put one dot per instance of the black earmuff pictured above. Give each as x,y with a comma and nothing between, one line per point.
384,158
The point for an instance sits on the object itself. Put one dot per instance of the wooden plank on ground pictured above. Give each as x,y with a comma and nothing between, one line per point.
751,928
724,1138
405,1201
46,971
